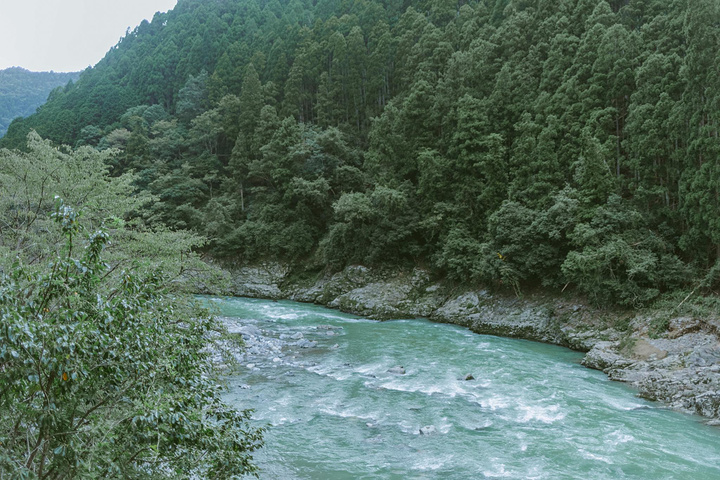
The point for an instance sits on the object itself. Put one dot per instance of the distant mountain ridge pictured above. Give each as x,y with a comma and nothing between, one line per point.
23,91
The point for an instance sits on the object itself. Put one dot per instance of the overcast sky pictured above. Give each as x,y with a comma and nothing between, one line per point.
67,35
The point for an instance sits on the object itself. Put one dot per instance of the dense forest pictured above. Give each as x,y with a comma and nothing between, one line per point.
22,91
571,144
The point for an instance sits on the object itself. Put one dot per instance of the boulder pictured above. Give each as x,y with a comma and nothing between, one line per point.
427,430
703,357
306,344
604,357
399,370
644,350
250,330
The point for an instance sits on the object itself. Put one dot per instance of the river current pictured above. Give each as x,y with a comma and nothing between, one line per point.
322,382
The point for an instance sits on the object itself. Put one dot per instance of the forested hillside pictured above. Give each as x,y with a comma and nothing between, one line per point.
568,143
22,91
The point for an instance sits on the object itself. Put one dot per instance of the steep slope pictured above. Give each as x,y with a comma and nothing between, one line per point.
569,144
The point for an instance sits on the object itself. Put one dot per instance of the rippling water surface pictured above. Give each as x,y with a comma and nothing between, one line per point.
532,412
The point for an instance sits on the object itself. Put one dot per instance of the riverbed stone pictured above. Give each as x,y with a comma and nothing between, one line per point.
246,330
259,281
705,356
374,300
604,356
643,349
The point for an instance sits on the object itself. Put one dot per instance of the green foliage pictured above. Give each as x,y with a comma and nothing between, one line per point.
658,326
524,245
618,259
94,382
30,181
462,257
568,144
386,221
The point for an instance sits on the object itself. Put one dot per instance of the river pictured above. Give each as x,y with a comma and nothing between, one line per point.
320,380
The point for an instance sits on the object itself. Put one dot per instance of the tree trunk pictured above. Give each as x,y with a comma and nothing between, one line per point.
242,197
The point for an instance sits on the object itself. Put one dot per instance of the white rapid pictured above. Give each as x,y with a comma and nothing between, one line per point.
320,381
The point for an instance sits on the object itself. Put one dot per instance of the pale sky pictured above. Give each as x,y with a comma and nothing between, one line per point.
67,35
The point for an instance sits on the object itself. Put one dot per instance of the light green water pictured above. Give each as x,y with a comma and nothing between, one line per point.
532,412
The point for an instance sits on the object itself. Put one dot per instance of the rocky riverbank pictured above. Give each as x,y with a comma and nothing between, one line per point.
679,366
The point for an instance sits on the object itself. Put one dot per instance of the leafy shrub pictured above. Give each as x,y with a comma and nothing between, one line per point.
107,376
619,260
524,245
374,227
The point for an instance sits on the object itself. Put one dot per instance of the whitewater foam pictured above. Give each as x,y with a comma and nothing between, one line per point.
548,414
617,437
591,456
494,403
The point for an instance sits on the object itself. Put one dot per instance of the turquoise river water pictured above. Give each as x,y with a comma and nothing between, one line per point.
319,380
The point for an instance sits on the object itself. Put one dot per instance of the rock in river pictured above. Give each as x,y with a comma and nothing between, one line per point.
306,343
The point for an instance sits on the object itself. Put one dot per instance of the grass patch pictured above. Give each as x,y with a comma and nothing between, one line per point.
627,344
622,324
658,326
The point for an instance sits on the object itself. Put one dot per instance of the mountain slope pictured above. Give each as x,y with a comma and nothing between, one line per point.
568,144
22,91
